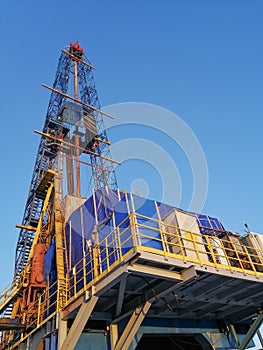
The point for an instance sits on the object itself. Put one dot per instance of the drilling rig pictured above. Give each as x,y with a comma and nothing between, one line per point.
100,268
73,129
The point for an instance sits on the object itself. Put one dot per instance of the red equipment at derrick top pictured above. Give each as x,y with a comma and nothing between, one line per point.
75,46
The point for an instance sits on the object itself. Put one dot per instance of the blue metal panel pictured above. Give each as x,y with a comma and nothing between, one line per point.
209,226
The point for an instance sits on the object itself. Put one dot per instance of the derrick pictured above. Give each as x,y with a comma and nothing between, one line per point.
111,264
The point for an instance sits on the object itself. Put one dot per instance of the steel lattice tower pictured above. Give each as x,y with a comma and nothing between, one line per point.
72,60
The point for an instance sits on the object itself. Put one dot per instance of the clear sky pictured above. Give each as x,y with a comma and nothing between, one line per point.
201,60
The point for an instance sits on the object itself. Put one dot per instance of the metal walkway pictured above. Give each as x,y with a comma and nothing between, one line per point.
139,280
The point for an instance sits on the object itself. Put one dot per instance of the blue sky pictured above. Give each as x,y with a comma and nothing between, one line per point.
202,60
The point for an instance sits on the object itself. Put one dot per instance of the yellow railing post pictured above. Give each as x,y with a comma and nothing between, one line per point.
180,241
119,243
211,251
96,252
134,229
39,311
74,280
237,257
84,271
67,288
250,260
192,235
162,235
107,253
225,254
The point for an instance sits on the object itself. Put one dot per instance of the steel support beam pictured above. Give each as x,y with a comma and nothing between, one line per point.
113,335
156,292
76,100
79,324
77,59
155,272
233,331
101,287
121,295
260,337
132,327
252,331
135,341
237,313
110,281
62,329
6,324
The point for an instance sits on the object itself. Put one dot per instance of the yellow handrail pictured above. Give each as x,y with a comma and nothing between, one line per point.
170,241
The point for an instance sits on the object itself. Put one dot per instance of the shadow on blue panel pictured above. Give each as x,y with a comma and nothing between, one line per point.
104,221
50,276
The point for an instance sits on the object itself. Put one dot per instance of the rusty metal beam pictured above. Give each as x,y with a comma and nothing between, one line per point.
71,145
76,100
75,58
28,227
10,324
101,140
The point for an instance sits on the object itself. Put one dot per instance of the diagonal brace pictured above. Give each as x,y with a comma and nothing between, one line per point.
121,295
252,331
234,333
79,324
132,327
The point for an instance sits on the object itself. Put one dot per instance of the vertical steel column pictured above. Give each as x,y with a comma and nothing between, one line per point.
76,95
113,335
233,331
60,247
62,329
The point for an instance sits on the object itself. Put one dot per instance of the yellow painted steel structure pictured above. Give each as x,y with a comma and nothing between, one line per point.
247,266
